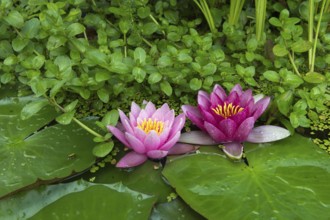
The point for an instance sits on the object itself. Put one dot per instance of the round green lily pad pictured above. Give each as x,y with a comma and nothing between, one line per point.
288,179
31,151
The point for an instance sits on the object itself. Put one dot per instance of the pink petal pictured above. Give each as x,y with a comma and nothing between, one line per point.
244,130
203,100
157,154
205,94
220,92
215,100
164,135
169,116
143,115
238,89
233,150
159,113
132,119
233,98
267,133
150,108
178,124
260,107
119,135
194,115
180,148
139,134
228,127
135,109
214,132
131,159
196,137
126,123
135,143
152,141
170,142
209,117
245,98
241,116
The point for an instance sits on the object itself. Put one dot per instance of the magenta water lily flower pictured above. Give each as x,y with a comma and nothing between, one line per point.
229,120
149,133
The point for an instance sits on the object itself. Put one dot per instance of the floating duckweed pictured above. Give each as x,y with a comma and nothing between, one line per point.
94,168
108,159
171,197
92,179
101,164
320,130
113,161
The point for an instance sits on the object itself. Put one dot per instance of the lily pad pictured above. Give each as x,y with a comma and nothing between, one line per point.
175,209
146,178
78,200
288,179
28,155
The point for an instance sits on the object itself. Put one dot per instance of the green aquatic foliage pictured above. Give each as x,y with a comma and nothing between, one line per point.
34,152
276,179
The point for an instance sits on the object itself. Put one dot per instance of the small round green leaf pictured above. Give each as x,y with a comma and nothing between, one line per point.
71,106
65,118
111,118
75,29
102,150
139,74
301,46
140,55
314,77
272,76
195,84
103,95
154,78
166,88
280,50
15,19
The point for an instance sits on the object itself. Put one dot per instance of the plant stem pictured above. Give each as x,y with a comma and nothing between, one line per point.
156,22
89,130
293,64
317,35
125,47
260,17
147,42
235,11
203,6
310,30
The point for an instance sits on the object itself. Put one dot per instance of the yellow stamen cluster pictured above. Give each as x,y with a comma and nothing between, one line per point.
148,125
227,110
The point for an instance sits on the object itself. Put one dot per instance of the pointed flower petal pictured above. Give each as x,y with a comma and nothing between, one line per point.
180,148
233,150
267,133
152,141
196,137
157,154
135,143
131,159
119,135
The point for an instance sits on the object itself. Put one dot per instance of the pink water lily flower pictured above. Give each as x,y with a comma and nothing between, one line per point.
229,120
149,133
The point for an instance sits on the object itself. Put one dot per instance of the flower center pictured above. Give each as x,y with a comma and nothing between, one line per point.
227,110
148,125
